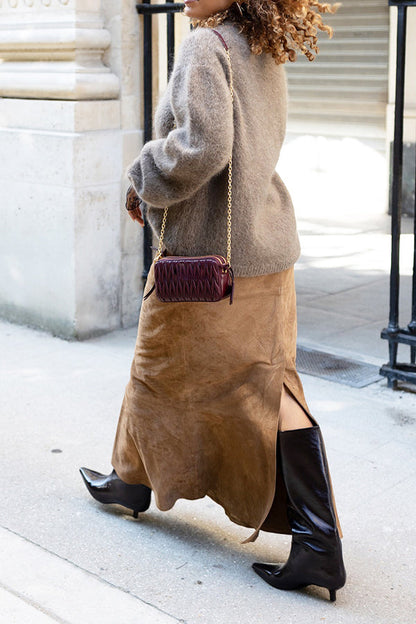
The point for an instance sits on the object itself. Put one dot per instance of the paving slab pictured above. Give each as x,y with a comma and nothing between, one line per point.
15,610
40,587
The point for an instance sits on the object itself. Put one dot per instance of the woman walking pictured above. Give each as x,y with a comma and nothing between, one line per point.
214,405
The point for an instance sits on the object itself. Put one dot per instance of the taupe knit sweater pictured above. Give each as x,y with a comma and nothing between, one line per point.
186,167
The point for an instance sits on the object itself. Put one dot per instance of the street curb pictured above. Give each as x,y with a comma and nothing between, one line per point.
47,588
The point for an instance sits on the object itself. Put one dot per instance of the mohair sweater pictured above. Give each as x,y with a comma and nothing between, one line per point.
186,168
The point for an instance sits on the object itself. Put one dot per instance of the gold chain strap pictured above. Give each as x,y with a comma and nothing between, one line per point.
230,185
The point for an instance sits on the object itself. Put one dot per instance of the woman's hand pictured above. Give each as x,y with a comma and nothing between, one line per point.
133,202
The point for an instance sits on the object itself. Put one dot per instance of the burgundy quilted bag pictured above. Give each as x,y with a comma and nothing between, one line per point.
199,278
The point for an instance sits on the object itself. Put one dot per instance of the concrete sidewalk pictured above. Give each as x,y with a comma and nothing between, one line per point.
66,558
39,587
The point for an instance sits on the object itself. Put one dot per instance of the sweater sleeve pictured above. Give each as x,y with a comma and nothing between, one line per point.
171,169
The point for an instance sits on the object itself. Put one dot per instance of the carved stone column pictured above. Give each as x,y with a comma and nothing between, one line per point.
69,126
54,49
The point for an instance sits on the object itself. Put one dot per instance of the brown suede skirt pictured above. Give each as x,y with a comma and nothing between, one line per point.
200,414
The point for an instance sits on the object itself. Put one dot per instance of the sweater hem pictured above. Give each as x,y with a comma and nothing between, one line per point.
266,269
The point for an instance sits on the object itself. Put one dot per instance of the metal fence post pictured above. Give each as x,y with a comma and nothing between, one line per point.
148,10
395,335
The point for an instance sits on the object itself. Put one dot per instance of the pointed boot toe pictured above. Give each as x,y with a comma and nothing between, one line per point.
264,569
98,484
269,572
110,488
89,475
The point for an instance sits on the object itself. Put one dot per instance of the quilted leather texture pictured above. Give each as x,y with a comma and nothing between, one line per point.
202,278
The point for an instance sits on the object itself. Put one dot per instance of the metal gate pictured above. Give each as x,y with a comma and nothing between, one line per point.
393,370
345,90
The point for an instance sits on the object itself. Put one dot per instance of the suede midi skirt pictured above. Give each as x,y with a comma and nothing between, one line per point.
200,414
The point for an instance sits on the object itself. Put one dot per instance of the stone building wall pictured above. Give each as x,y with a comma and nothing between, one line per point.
70,124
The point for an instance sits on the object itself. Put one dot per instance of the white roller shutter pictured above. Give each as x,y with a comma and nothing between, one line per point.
345,89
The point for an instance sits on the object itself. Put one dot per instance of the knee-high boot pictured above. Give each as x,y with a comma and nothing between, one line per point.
316,553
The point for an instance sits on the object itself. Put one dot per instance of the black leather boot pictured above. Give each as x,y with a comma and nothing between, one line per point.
316,553
111,489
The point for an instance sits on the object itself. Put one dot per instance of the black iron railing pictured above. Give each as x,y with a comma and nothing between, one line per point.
395,371
147,10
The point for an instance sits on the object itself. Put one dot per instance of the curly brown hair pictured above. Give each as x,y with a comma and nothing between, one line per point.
280,27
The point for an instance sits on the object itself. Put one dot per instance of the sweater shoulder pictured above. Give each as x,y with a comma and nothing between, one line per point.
198,43
201,50
201,43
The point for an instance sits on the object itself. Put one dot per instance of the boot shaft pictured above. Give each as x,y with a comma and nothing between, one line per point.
310,508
